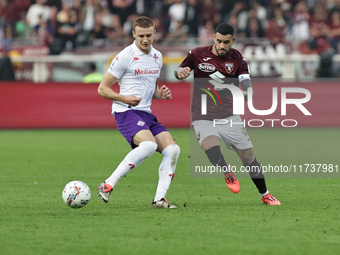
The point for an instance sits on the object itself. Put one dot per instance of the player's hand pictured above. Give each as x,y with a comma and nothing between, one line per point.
165,92
132,100
183,72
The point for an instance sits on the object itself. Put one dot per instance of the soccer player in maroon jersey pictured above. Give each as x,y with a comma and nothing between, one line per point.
213,66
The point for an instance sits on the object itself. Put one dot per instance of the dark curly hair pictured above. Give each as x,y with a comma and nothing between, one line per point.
225,29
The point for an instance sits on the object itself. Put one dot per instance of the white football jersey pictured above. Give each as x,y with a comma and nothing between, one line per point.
137,74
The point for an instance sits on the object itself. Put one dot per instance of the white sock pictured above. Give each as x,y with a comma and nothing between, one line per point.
167,170
133,159
264,194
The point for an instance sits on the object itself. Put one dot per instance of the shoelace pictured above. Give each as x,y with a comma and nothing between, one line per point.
230,178
269,197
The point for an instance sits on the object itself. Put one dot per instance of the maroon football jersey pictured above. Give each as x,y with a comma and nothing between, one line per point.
210,69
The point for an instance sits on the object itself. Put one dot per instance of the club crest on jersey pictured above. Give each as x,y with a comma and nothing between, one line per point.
229,67
141,123
206,67
155,57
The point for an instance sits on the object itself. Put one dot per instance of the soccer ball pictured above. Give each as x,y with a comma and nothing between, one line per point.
76,194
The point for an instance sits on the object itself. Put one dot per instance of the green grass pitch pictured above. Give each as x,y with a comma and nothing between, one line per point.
36,164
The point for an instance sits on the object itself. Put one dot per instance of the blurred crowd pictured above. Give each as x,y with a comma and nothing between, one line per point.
310,26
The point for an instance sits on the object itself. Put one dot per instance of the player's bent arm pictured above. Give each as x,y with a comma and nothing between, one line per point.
182,73
105,91
156,93
245,81
161,93
176,74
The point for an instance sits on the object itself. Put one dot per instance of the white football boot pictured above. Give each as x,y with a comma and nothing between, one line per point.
163,203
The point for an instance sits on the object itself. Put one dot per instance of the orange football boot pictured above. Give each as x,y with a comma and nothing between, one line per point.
232,182
270,200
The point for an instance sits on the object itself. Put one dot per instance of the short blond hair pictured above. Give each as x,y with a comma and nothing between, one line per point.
143,22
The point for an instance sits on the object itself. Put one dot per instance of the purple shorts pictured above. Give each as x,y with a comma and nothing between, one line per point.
131,122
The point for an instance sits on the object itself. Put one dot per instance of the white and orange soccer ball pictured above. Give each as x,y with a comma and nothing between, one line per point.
76,194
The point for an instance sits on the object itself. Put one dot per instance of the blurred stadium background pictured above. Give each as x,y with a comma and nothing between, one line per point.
48,47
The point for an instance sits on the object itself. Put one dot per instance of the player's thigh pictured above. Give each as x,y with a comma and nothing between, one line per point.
134,126
142,136
210,141
234,134
207,135
163,140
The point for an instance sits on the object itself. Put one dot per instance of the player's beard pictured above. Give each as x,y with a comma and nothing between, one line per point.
221,55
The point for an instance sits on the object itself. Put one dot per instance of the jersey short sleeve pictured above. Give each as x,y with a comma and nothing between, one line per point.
189,60
243,67
161,63
119,65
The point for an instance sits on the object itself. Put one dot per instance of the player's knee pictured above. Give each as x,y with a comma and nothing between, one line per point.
148,148
215,155
172,150
246,155
171,153
176,150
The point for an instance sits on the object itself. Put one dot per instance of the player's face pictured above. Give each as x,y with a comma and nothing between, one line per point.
223,44
144,38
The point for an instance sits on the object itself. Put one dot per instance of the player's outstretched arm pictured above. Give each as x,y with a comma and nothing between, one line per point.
245,81
182,73
245,86
105,91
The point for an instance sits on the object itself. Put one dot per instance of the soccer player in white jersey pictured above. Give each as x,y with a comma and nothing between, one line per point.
137,69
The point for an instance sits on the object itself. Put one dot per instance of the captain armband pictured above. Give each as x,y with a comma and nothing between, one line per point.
244,77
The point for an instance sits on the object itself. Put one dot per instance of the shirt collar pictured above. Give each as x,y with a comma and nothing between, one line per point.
138,51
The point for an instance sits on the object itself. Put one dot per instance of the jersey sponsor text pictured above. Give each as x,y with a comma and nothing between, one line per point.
205,67
146,71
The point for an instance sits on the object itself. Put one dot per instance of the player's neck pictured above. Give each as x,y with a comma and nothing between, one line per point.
145,51
213,50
